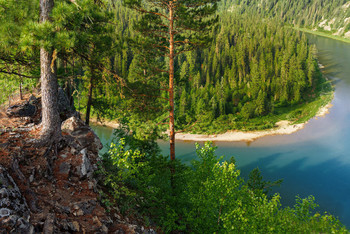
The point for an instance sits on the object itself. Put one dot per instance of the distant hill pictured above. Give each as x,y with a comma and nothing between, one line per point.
332,16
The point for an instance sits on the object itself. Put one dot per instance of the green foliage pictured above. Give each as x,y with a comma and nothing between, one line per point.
125,165
258,185
207,197
9,87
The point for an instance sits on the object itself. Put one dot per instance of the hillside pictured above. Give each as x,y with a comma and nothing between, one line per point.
332,16
52,189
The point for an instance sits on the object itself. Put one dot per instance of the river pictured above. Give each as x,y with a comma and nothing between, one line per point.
313,161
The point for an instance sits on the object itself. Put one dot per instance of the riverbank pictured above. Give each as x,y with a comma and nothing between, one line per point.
284,127
323,34
103,122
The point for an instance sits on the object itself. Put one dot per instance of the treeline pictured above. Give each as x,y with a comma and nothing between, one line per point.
329,15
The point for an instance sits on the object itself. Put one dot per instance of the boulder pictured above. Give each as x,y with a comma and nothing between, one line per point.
83,134
21,110
88,139
72,124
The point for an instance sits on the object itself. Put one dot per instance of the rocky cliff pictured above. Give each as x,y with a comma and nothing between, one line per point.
54,189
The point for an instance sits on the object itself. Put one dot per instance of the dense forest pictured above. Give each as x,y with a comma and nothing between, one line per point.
251,69
327,15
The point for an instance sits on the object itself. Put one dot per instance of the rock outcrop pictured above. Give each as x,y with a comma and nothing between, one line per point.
14,211
83,134
54,189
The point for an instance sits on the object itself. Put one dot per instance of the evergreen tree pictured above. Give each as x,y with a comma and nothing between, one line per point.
170,28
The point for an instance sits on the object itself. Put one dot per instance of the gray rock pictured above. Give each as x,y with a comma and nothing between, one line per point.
14,211
11,197
72,124
84,135
85,167
21,110
4,212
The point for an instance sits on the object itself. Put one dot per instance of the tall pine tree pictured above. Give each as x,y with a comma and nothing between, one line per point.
169,28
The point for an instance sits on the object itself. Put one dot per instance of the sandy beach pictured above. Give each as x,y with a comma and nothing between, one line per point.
103,122
282,128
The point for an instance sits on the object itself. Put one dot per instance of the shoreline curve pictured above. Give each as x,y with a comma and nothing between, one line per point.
284,127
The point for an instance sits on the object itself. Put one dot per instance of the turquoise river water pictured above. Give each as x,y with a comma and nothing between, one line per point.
313,161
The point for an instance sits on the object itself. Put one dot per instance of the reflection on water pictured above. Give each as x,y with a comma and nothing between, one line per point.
105,134
313,161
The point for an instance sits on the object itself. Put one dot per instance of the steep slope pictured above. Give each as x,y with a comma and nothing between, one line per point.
332,16
52,189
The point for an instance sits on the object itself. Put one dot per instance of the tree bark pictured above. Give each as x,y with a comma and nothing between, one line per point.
51,124
20,84
89,103
20,89
171,82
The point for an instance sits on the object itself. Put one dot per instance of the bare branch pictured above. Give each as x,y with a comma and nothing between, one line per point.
18,74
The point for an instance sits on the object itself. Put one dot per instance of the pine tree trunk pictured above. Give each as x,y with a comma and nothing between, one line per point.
20,84
20,89
171,83
89,103
51,124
